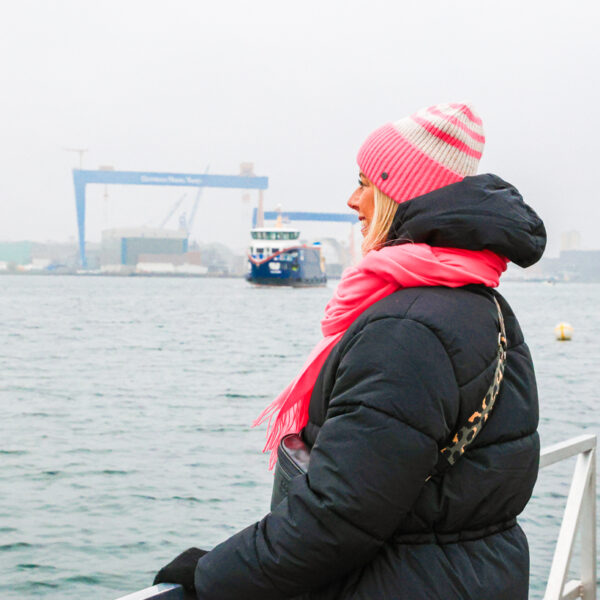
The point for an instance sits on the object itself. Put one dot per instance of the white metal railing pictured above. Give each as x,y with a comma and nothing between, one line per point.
579,516
162,591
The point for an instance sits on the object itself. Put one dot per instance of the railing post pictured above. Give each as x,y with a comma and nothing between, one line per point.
588,534
579,516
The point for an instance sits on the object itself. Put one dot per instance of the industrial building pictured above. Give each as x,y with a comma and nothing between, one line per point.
122,248
16,253
150,251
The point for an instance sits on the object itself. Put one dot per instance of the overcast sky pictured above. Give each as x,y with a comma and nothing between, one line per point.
294,87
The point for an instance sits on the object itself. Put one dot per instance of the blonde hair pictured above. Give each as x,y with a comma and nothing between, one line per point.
384,211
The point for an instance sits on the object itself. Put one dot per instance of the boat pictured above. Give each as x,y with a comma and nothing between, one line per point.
277,258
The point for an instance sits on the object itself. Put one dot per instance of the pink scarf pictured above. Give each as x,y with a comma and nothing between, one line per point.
376,276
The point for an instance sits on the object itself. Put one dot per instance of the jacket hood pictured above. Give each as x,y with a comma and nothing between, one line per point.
482,212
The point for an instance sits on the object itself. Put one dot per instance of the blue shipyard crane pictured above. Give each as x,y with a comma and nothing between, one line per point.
82,178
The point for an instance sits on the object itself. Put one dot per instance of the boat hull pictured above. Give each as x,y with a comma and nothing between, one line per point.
288,282
295,267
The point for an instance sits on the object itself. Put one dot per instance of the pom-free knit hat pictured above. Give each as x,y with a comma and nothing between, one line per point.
432,148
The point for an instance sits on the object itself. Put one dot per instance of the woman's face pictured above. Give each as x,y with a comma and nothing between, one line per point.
363,202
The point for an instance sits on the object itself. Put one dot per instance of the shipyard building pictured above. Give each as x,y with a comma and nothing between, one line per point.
149,251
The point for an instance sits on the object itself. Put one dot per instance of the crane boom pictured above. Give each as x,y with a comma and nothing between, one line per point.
173,209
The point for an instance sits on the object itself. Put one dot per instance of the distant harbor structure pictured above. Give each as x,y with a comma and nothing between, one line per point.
247,180
572,264
161,250
145,250
27,256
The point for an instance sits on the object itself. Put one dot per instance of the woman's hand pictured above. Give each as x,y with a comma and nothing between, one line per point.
181,570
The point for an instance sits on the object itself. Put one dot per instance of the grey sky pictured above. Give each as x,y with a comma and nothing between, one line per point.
293,87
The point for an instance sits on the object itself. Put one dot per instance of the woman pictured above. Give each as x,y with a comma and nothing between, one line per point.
409,355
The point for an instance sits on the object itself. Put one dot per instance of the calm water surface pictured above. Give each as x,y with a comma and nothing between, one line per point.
126,405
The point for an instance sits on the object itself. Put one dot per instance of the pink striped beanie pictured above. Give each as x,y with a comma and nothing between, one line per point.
432,148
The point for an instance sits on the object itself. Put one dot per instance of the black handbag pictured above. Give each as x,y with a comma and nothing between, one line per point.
293,454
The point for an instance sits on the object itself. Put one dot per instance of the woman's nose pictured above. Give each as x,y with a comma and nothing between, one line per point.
353,201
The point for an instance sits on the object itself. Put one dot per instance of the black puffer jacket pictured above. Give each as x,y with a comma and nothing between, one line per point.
364,524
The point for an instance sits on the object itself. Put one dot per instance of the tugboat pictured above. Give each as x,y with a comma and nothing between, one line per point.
274,258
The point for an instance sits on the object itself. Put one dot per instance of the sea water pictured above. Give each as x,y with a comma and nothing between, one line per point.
126,408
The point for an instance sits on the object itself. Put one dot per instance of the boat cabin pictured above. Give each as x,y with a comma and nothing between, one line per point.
270,240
